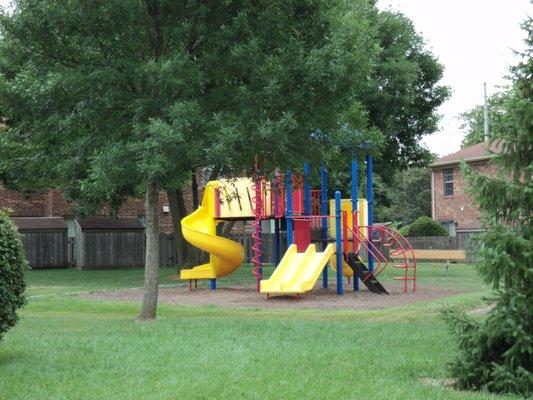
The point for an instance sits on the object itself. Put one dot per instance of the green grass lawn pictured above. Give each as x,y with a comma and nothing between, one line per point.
68,348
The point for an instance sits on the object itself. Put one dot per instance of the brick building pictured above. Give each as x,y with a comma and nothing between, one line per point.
50,203
451,205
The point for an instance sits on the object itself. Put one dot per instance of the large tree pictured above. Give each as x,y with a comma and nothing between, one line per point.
105,100
399,101
395,102
405,198
496,354
404,93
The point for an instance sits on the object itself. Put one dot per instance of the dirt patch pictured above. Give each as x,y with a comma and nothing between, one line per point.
247,297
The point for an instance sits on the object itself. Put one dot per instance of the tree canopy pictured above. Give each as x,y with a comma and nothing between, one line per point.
405,198
403,94
472,120
109,94
111,99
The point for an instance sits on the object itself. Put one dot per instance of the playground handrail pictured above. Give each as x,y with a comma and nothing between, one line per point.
372,250
399,247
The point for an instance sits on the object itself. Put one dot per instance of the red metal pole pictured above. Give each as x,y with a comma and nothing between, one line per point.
217,202
355,238
256,235
345,231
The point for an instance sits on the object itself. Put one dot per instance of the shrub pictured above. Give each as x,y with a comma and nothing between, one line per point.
424,226
12,265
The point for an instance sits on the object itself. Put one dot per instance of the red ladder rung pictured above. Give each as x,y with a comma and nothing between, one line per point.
401,266
397,253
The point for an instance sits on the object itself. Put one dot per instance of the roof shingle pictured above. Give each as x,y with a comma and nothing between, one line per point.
119,224
39,223
476,152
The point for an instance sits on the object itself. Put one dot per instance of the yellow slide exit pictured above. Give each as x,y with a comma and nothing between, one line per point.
297,272
199,229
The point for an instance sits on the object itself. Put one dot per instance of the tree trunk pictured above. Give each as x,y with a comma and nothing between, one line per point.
178,211
215,172
194,189
151,268
226,230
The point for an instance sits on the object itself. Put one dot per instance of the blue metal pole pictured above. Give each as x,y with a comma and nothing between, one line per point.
288,208
370,199
354,222
307,189
213,284
338,242
324,211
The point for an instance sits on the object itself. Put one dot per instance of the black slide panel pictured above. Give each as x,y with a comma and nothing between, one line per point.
367,277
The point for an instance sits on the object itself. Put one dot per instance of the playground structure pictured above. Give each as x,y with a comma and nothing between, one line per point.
349,241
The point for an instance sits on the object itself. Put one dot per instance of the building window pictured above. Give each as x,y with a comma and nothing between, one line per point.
448,181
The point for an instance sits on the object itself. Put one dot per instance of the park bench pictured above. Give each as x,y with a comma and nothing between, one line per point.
441,255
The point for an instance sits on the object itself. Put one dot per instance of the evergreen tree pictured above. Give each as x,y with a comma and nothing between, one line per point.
496,354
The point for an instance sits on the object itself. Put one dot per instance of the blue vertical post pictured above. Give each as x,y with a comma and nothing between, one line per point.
307,189
370,199
277,244
338,242
354,195
213,284
288,208
324,211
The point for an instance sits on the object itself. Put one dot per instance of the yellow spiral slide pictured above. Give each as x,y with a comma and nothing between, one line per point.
199,229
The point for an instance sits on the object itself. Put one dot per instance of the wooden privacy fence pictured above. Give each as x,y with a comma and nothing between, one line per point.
268,252
46,249
168,253
127,249
462,241
110,249
123,250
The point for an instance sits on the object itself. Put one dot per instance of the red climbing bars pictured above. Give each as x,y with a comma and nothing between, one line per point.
387,245
256,235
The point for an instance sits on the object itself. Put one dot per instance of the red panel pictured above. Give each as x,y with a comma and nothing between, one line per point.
316,201
278,197
302,234
298,201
